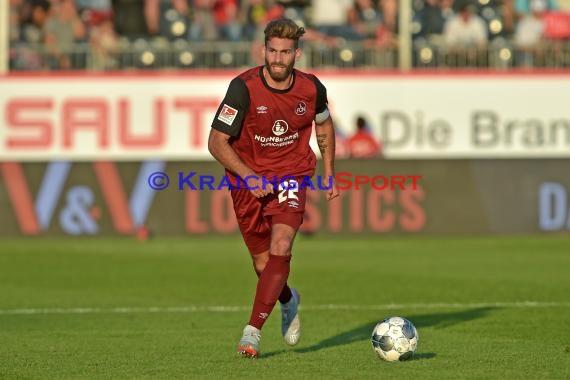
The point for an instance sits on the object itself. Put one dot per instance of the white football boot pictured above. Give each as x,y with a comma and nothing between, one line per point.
249,343
290,322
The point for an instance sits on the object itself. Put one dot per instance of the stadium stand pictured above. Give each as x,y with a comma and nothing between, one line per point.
179,34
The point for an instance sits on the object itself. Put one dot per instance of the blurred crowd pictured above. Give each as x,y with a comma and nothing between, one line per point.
103,27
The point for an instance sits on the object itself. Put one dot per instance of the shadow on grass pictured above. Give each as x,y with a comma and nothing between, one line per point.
423,356
364,332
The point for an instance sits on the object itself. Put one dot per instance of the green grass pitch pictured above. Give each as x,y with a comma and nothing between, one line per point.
485,308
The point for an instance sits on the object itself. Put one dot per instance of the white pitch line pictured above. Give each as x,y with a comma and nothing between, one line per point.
231,309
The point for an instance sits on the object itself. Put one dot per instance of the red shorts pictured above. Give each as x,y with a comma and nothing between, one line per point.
255,216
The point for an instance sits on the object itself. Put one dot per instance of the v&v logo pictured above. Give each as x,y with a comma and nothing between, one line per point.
79,214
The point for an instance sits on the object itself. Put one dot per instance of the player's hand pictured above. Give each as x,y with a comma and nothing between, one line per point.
332,192
258,187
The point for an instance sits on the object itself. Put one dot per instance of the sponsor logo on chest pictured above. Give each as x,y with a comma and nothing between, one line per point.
278,137
281,134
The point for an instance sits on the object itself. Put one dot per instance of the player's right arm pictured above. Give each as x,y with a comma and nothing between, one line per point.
227,124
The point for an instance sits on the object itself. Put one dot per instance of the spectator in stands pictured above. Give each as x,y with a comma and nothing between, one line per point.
389,10
466,29
174,19
261,12
362,143
104,46
386,28
257,14
94,12
364,17
202,26
34,15
62,28
431,19
14,18
529,33
27,19
330,17
525,7
136,18
447,8
556,21
226,20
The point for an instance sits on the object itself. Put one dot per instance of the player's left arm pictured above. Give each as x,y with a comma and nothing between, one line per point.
326,140
324,130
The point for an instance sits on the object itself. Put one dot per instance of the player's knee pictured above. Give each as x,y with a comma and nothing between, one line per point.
281,247
259,267
260,261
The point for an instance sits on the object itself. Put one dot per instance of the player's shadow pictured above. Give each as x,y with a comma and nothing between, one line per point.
364,332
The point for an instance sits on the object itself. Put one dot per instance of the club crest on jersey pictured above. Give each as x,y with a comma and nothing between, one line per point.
227,114
301,108
280,127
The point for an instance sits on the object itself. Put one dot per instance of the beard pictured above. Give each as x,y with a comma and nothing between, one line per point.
279,76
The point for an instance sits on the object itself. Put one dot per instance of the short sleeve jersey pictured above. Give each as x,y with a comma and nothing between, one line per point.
270,129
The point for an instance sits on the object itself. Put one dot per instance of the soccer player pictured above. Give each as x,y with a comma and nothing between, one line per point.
261,134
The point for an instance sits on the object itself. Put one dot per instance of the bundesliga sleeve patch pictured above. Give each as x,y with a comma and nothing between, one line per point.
227,114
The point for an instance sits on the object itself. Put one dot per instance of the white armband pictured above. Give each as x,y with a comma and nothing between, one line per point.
321,117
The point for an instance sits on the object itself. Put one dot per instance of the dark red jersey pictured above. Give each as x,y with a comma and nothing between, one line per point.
270,129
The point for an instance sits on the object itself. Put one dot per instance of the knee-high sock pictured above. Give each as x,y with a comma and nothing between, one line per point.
285,295
269,286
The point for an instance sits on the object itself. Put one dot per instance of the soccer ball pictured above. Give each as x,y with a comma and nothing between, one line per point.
395,338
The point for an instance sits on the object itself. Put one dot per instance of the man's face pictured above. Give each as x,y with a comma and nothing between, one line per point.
280,54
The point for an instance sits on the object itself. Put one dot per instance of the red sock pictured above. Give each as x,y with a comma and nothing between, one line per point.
269,286
285,295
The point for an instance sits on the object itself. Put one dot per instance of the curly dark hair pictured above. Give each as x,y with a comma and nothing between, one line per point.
284,28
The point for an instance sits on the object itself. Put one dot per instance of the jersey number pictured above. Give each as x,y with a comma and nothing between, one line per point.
288,190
